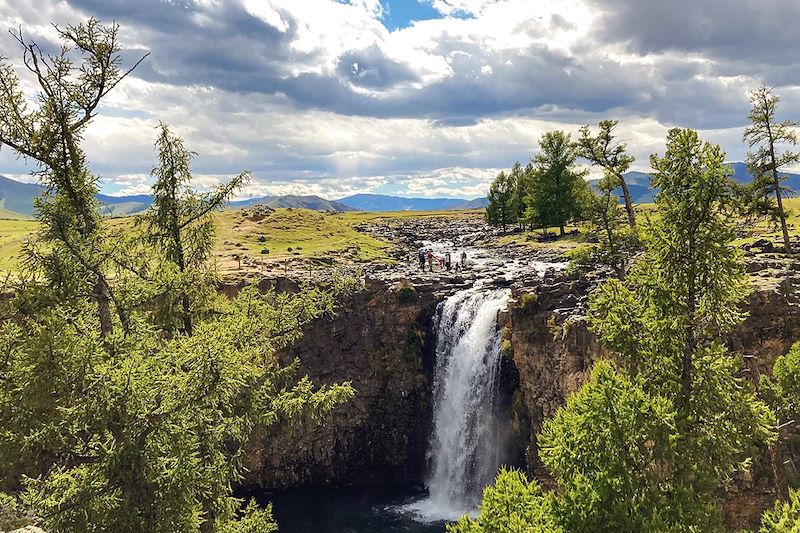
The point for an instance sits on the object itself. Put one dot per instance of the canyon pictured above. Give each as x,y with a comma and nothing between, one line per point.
382,339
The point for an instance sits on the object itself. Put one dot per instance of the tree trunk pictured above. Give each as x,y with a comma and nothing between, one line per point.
103,299
787,244
187,317
778,470
626,195
689,346
561,231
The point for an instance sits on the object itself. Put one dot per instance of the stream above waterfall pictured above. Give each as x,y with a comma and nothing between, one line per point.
469,422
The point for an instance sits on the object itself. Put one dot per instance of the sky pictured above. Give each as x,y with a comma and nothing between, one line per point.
424,98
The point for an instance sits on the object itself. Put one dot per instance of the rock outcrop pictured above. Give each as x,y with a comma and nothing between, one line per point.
553,350
380,341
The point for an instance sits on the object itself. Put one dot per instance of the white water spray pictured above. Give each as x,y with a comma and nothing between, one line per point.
466,446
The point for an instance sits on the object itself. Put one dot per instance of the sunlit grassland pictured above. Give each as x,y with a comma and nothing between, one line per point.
299,234
323,238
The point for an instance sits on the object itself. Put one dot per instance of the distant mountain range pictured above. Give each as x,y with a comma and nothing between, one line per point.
641,193
383,202
305,202
17,197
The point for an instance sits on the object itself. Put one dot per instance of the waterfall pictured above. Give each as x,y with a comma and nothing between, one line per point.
466,446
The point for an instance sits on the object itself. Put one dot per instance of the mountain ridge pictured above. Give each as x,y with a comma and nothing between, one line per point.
17,197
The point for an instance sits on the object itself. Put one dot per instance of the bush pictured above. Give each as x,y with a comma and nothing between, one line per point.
528,304
406,293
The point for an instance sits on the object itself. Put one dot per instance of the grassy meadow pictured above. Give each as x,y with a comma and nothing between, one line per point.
304,237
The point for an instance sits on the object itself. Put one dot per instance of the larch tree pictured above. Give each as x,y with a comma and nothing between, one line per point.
653,434
558,189
766,138
604,151
179,221
48,131
501,210
135,428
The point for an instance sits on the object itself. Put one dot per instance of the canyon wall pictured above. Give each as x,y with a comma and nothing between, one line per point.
382,340
379,340
554,349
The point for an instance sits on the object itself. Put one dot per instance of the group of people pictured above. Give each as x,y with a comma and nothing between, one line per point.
444,262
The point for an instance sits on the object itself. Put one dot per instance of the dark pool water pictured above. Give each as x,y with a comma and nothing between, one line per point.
348,510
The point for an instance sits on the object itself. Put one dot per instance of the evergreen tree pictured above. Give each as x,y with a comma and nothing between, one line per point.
766,136
647,442
616,244
517,175
611,156
782,392
784,517
179,221
72,85
557,190
501,209
133,428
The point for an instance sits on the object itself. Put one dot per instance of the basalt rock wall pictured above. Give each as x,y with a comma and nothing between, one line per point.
379,340
554,349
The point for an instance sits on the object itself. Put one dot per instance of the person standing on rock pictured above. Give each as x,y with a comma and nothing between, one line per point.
422,259
430,260
463,259
448,260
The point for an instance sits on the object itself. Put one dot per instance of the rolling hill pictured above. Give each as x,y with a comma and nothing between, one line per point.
305,202
382,202
16,198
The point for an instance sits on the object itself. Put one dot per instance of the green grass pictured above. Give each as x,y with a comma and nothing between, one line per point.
311,235
13,233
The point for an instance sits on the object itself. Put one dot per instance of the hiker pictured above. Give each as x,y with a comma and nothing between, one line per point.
448,261
422,259
463,259
430,260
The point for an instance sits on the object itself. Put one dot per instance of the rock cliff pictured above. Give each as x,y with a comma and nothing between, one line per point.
380,341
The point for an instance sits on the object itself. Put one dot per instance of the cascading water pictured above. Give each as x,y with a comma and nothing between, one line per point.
466,446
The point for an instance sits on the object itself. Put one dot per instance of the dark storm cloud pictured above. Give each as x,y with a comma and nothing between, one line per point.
228,48
239,52
755,31
371,68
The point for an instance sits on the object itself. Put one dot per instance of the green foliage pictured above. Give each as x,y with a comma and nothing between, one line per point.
12,515
617,243
406,293
603,151
617,472
112,416
253,520
512,505
648,441
784,517
556,188
501,210
180,227
765,136
527,304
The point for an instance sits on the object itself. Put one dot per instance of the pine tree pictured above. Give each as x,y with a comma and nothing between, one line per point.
558,188
501,210
766,136
611,156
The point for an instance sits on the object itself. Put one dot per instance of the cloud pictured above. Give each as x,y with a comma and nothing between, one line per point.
320,95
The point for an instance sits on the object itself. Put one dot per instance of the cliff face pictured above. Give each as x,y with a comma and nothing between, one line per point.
553,351
380,341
